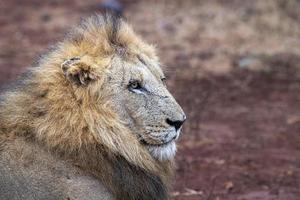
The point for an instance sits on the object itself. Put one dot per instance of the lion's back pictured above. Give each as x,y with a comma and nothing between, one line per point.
29,173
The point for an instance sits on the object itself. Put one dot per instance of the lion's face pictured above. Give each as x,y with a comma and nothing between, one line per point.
142,101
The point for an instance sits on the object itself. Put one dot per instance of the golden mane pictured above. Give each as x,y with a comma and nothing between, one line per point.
46,109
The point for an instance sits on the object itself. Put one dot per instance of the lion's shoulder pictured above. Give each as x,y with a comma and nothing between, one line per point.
29,172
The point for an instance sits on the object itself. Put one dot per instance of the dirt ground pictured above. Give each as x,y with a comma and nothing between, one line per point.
234,66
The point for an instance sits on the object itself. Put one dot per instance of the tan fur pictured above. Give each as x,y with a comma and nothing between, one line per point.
76,122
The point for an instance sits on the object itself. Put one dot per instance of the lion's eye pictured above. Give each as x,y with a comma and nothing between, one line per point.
134,85
164,79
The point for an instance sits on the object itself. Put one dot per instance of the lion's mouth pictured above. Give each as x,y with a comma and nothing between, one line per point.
144,142
165,150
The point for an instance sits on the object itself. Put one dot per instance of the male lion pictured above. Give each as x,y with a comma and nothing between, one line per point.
93,120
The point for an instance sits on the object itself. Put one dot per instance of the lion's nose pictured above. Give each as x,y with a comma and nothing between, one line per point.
176,123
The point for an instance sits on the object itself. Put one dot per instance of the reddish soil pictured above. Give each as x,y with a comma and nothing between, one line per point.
233,66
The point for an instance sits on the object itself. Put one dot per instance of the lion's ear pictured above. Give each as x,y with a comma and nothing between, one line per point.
78,70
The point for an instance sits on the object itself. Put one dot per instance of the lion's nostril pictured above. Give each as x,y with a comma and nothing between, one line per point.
177,123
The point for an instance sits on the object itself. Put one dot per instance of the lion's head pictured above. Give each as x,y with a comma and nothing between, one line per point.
130,73
142,100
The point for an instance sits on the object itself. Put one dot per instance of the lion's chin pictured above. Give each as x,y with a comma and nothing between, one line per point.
163,152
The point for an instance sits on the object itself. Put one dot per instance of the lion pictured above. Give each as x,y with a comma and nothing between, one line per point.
93,119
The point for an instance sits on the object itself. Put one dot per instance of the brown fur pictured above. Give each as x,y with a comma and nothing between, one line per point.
46,111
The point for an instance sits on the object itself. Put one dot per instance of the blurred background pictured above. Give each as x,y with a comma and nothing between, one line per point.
233,65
